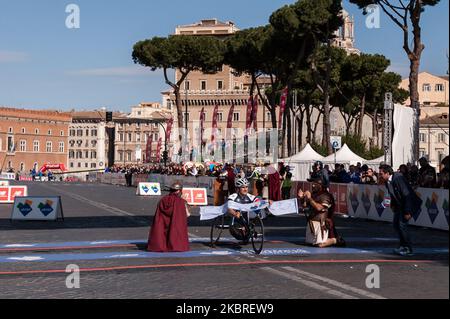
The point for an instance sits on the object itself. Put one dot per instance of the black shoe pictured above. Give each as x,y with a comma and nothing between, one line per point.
341,242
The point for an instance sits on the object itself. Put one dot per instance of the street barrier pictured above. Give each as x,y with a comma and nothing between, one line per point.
37,208
148,189
9,193
25,178
8,176
195,196
365,201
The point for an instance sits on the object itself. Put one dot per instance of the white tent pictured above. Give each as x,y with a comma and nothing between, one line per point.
344,156
375,163
301,163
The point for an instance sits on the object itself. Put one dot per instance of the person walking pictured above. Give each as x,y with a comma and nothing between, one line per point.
404,204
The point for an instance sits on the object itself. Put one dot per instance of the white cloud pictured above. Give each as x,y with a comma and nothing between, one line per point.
12,56
116,71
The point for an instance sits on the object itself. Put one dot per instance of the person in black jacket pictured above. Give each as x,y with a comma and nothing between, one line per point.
404,203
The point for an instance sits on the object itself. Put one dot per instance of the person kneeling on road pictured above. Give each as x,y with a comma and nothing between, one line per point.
320,229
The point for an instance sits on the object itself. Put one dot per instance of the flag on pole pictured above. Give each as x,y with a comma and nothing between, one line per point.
248,122
169,128
214,124
148,150
202,124
255,113
158,151
283,105
230,122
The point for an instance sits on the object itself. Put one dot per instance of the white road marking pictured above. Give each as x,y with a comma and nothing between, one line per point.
335,283
309,283
26,258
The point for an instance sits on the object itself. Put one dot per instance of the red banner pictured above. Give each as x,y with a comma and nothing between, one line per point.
202,124
248,122
230,122
255,113
283,105
47,167
148,150
169,129
158,151
214,124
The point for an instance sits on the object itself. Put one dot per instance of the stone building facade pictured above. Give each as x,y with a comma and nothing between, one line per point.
31,138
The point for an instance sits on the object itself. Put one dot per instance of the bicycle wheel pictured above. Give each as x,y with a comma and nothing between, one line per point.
216,230
257,234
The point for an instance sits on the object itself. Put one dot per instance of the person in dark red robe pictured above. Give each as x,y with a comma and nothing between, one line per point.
169,231
274,184
230,180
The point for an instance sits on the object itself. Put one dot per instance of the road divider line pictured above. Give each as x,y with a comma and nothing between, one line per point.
334,283
308,283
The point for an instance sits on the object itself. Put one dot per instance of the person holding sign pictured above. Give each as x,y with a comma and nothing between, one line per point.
169,232
320,230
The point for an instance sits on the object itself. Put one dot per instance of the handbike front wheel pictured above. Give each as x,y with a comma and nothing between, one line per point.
257,234
216,230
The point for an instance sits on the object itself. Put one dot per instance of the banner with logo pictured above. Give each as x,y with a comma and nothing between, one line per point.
37,208
367,202
9,193
195,196
149,189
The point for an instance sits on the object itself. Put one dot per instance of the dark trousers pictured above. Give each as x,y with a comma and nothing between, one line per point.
286,193
401,227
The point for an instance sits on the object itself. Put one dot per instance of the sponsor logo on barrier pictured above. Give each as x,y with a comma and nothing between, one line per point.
417,214
431,205
445,207
46,209
4,194
354,199
365,198
148,189
145,189
195,196
25,208
378,199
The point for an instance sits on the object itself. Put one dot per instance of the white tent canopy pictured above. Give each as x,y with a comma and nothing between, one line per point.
301,163
344,156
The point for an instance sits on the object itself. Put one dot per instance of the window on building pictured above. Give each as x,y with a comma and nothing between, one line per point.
86,154
10,130
11,146
203,85
440,154
36,131
423,137
186,117
79,155
49,132
120,137
236,117
219,117
23,146
61,133
87,132
440,88
71,154
23,130
138,137
187,85
94,132
61,147
35,146
422,152
220,85
72,133
129,156
441,138
94,155
426,87
93,165
86,165
48,147
71,165
79,132
79,165
130,137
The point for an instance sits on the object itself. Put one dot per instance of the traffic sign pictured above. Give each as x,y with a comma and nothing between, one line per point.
336,142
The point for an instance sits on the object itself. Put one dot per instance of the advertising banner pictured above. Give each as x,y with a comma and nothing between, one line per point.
149,189
4,183
9,193
37,208
195,196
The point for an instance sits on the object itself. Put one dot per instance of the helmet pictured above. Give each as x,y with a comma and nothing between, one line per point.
241,182
176,186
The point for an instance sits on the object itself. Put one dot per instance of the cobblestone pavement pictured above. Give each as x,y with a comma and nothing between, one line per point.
102,213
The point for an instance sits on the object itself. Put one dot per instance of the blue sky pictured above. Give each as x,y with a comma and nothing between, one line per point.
45,65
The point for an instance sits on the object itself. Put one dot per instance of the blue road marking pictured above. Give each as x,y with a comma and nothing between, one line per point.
303,252
101,243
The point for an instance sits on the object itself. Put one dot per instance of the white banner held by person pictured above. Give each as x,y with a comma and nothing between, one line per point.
284,207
